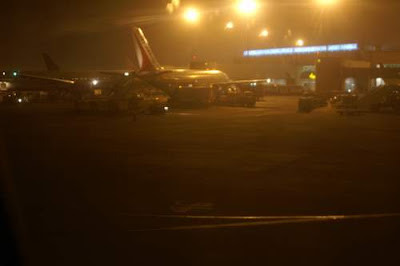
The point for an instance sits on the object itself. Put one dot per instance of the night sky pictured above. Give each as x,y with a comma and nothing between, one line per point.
82,35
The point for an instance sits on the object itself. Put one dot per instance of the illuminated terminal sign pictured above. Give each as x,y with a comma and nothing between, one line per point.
303,50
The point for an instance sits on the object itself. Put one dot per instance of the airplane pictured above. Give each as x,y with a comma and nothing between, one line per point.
15,81
54,70
106,90
184,86
53,84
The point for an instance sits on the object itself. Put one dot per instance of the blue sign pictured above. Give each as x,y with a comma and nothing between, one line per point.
302,50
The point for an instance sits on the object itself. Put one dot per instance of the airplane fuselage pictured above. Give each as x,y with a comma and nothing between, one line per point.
186,85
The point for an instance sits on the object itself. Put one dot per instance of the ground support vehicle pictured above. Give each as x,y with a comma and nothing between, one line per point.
233,96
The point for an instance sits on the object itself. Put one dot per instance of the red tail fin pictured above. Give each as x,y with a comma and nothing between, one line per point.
146,59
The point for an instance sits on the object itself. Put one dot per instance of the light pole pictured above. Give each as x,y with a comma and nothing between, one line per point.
192,16
247,8
325,6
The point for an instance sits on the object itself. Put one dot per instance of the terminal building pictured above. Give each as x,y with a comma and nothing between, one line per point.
327,68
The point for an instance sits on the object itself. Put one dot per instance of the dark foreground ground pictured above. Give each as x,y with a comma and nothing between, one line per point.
90,186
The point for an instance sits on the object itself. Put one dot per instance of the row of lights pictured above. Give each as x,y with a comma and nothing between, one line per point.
264,33
247,8
95,82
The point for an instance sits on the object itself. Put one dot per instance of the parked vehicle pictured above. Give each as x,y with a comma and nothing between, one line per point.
383,98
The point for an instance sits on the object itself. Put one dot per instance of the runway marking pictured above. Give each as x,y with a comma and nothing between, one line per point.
261,220
181,207
185,114
269,217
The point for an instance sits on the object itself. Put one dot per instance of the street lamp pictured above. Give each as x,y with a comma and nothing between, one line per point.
191,15
300,42
246,7
264,33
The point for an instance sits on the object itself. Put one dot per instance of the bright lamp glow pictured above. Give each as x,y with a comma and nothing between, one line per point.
326,2
173,5
246,7
95,82
191,15
300,42
312,76
264,33
229,25
380,82
126,74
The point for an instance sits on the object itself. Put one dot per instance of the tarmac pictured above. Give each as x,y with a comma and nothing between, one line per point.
222,185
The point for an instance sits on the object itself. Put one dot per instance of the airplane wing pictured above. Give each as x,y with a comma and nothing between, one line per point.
116,73
142,75
65,81
241,82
